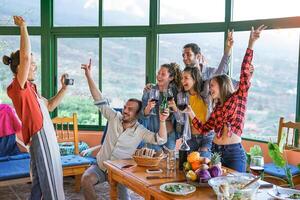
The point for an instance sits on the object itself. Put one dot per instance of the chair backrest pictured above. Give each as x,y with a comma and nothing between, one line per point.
291,128
63,131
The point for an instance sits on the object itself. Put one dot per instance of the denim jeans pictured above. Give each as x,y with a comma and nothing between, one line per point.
232,156
197,142
171,143
102,177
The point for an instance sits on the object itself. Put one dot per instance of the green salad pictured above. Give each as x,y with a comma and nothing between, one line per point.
174,188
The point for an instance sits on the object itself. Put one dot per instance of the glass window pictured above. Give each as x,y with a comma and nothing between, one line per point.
120,12
257,9
123,69
191,11
29,9
211,45
76,12
274,84
9,44
71,53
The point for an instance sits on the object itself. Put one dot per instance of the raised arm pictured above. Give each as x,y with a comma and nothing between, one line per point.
25,52
95,92
246,73
224,64
56,100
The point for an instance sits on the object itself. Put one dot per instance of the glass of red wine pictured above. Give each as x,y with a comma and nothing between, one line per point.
257,165
182,101
154,96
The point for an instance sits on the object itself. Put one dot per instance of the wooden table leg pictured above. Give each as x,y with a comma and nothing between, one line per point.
77,183
113,187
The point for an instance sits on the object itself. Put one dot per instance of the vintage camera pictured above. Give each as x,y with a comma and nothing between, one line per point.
68,81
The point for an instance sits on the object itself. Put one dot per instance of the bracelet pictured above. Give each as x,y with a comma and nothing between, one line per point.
162,121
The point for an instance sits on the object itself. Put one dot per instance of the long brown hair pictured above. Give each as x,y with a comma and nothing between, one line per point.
175,72
197,77
225,86
13,61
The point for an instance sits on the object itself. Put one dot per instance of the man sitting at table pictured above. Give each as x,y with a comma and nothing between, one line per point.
124,134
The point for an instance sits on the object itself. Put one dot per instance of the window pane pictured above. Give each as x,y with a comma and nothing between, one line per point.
76,13
211,45
191,11
123,74
29,9
72,52
274,83
120,12
257,9
9,44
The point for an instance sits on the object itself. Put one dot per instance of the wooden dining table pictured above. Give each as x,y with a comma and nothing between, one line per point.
134,177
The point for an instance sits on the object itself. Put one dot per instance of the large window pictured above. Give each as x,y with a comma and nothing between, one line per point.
129,39
262,9
191,11
71,53
29,9
76,13
9,44
120,12
211,45
274,84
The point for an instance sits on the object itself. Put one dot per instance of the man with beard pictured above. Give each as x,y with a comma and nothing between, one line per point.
124,134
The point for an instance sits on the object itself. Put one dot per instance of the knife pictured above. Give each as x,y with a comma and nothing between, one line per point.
157,177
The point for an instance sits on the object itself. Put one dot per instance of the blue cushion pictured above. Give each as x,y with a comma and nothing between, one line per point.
74,160
13,169
272,169
19,156
4,158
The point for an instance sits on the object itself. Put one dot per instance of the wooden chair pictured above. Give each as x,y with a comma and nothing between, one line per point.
64,133
290,128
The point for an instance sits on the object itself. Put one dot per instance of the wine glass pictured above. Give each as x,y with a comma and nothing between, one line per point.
170,95
182,101
154,96
257,165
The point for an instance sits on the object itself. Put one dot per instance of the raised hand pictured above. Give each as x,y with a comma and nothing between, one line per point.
19,21
255,34
229,42
164,115
87,68
62,80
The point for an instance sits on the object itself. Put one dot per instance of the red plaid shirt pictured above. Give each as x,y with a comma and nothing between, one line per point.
232,113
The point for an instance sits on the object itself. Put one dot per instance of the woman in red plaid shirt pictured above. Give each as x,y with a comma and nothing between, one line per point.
228,116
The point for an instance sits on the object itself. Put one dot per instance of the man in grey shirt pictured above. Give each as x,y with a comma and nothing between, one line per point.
124,134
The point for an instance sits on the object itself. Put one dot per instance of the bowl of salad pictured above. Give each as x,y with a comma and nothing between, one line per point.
231,187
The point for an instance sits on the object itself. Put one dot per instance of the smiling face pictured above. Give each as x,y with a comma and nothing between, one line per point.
130,111
214,89
189,58
163,77
187,81
32,70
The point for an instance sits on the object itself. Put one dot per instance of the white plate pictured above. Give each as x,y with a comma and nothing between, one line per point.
284,193
187,188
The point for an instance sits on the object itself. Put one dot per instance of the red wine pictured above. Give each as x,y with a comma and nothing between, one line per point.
256,170
182,106
154,100
182,158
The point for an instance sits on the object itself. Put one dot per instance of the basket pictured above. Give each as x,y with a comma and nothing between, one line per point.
147,161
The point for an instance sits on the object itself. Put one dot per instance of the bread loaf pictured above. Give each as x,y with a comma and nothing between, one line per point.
145,152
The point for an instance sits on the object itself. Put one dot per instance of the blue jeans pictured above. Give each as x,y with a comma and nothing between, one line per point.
232,156
200,142
171,143
102,177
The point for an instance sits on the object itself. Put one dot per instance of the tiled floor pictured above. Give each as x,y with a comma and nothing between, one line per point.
22,191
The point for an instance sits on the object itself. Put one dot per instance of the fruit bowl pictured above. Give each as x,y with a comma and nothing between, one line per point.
229,187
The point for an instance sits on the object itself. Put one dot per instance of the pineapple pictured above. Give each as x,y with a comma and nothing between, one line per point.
215,160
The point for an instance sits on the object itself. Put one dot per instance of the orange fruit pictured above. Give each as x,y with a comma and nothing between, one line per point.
194,156
196,165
